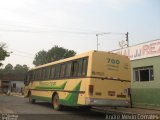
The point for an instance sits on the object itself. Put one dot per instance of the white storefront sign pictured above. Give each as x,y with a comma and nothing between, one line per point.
144,50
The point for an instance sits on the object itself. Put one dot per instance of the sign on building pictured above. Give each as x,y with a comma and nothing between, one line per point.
144,50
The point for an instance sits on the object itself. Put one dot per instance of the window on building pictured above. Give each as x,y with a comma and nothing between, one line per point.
143,73
14,85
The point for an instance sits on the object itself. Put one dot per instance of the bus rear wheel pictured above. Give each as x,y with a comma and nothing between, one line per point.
30,98
56,103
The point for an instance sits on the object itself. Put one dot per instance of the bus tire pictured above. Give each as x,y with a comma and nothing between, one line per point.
56,103
33,101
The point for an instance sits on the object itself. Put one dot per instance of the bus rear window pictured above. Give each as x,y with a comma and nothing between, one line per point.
84,67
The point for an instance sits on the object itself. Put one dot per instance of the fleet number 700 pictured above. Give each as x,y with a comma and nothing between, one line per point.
113,61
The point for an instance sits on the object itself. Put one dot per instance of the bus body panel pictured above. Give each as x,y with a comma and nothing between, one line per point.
106,83
110,80
110,65
108,93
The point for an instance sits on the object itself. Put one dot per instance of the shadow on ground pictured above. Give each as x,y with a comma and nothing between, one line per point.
68,113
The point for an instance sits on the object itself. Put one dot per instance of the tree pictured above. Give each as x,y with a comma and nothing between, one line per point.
8,69
54,54
13,73
3,53
57,53
20,70
40,58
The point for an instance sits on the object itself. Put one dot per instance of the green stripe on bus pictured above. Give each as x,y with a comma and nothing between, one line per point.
48,99
61,87
72,98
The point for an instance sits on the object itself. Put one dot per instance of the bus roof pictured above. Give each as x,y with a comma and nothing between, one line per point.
71,58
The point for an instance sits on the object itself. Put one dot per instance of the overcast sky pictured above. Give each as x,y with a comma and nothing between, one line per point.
28,26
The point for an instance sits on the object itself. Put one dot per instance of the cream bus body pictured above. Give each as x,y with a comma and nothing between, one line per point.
93,78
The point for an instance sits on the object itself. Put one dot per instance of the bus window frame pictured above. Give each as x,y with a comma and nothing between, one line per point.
53,75
68,64
84,68
57,71
62,67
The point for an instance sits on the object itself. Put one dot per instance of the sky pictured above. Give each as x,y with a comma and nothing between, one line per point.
28,26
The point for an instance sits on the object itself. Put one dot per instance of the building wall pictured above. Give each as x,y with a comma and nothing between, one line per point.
146,93
19,86
5,85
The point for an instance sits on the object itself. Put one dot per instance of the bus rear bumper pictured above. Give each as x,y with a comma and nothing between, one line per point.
107,102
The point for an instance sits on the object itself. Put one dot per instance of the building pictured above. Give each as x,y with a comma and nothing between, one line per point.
5,85
17,86
145,71
11,86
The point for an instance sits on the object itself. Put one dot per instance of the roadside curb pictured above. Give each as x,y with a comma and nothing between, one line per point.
12,94
18,96
122,110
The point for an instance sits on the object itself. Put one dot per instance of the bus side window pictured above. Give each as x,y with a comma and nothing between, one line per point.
68,69
37,74
43,73
84,66
40,74
33,75
57,71
74,68
27,79
80,61
48,72
52,72
62,71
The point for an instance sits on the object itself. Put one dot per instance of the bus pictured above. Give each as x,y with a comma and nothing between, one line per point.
94,78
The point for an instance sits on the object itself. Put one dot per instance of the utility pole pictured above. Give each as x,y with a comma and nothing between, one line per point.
122,44
127,40
98,39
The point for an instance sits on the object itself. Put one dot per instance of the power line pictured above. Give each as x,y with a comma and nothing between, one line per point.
60,31
106,33
51,27
23,56
47,31
22,52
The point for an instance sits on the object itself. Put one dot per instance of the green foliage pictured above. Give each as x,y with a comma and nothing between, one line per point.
15,73
20,70
40,58
54,54
3,53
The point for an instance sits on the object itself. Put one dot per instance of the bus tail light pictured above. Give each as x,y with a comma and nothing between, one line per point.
91,89
111,93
